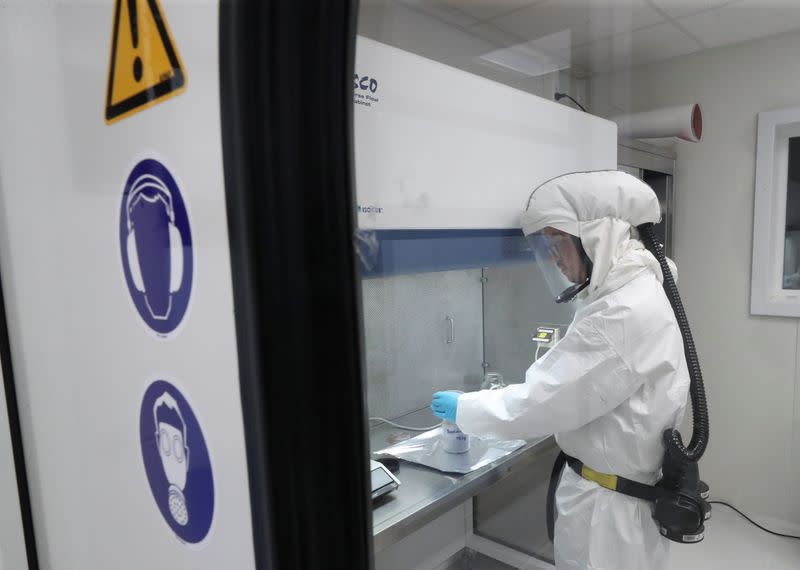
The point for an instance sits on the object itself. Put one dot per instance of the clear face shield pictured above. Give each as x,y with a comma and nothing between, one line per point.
563,262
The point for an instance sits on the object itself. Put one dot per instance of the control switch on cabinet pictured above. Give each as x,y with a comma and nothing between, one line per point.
546,336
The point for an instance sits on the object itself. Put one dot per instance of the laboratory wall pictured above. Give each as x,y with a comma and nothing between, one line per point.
433,331
516,301
750,363
406,335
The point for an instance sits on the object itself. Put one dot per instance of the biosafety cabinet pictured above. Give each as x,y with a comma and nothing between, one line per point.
445,162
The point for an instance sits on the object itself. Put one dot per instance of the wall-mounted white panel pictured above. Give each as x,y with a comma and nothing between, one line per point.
125,472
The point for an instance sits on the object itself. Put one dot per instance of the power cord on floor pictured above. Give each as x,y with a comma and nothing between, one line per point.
751,521
409,428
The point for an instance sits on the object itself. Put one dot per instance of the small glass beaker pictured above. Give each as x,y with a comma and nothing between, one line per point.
493,381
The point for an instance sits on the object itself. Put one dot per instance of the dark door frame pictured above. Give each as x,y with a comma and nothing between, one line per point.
16,438
286,73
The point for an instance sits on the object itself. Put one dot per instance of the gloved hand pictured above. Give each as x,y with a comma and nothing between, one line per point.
445,404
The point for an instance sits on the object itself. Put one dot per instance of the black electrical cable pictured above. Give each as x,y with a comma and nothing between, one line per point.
751,521
560,96
672,438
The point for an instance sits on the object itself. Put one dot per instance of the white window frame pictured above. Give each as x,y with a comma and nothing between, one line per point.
767,296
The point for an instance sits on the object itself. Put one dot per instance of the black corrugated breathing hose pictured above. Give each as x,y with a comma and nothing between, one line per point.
672,438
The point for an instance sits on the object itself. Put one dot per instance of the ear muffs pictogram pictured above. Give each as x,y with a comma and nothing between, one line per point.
150,188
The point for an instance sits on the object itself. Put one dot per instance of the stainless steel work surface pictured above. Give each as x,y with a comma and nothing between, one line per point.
426,449
425,493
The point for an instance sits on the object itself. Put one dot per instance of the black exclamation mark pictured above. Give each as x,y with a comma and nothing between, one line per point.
134,22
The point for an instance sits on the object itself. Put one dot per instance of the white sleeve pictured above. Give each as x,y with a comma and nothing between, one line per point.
578,380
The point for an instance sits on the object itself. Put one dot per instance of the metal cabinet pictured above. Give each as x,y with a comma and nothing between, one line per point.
656,166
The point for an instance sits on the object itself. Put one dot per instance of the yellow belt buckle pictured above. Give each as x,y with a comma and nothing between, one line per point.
602,479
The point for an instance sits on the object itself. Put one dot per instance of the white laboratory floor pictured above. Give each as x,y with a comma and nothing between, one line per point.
732,543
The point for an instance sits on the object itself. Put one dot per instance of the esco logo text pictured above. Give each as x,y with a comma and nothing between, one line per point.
365,83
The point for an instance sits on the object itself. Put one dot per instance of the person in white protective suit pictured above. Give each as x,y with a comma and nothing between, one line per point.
612,385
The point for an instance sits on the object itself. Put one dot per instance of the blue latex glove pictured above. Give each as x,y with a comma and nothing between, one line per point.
445,404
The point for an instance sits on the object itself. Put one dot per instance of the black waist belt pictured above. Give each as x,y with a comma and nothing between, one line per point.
612,482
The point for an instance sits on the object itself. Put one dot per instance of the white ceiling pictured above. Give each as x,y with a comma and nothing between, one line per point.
602,35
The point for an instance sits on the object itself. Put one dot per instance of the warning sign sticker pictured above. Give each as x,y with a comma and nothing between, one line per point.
145,67
177,461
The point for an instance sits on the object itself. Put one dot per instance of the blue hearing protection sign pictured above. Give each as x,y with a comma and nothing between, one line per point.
176,462
156,245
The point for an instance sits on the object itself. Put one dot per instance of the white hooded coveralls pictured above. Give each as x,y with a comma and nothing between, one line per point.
611,386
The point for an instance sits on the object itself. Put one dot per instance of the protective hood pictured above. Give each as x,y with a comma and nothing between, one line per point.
602,208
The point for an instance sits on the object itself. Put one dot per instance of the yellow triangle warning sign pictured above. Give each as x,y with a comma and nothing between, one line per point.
144,68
